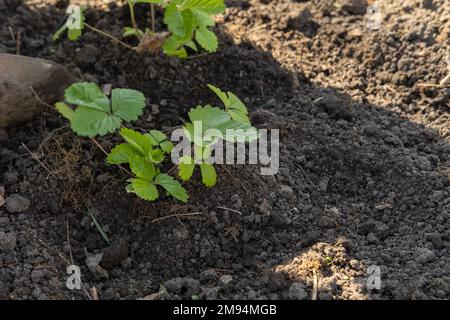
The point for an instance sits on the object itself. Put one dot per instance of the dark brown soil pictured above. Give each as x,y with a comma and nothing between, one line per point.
364,160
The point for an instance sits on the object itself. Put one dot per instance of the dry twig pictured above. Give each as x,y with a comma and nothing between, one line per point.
179,215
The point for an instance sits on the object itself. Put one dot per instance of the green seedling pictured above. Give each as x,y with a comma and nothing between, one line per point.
91,113
234,117
143,153
189,23
96,114
190,20
98,226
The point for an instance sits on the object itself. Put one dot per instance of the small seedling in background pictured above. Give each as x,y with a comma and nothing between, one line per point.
188,21
75,24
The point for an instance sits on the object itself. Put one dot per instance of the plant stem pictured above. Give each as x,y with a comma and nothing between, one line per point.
105,34
152,11
133,19
98,145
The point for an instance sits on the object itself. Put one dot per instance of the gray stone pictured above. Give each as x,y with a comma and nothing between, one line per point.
372,238
162,295
19,76
356,7
225,280
210,293
427,4
236,201
265,207
10,177
286,192
436,240
297,291
8,241
299,20
37,275
276,281
208,275
425,255
174,285
114,254
15,203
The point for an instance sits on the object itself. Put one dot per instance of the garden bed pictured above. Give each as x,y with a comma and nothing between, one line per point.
364,160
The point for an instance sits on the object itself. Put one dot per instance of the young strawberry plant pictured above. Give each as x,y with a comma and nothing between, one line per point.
143,153
95,114
188,23
231,124
91,113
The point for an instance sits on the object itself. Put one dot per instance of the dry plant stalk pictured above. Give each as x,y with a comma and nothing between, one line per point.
64,159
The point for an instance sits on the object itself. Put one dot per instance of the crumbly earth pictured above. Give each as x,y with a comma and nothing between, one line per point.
364,179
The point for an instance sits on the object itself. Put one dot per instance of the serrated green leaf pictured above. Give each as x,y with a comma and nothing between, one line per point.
186,168
237,109
144,189
166,146
236,103
179,22
142,168
213,118
222,95
173,46
206,152
207,39
83,120
156,137
140,142
172,186
156,155
203,18
89,122
209,175
65,110
238,116
108,124
210,117
233,105
74,24
159,139
121,154
239,131
127,104
209,6
73,34
191,44
88,95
